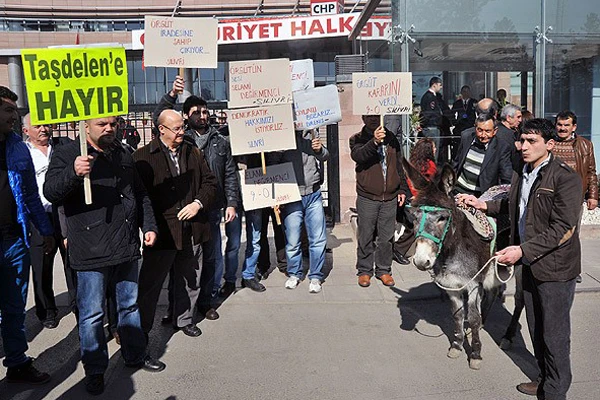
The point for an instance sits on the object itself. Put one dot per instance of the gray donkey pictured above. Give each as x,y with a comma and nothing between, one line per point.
449,248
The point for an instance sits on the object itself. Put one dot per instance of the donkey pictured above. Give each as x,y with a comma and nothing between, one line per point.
449,248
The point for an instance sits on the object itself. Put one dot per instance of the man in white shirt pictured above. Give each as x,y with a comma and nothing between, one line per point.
40,142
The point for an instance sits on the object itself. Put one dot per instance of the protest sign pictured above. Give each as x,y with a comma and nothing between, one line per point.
382,93
259,83
277,186
317,107
72,84
180,42
302,74
260,129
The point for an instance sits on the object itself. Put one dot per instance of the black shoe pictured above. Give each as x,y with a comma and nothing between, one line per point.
227,290
26,373
94,384
211,314
401,259
190,330
166,320
579,279
253,284
50,323
149,364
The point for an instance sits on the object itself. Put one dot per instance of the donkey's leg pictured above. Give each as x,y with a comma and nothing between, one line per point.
474,315
458,312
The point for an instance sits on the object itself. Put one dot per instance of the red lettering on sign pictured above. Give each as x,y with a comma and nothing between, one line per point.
250,29
298,29
381,27
316,27
276,26
330,28
263,31
345,24
228,33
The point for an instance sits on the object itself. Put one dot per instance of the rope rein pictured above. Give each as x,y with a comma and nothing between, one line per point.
495,259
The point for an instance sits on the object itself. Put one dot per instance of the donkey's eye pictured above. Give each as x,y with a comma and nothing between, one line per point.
442,218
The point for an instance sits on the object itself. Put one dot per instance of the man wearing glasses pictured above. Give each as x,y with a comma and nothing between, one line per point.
181,189
482,160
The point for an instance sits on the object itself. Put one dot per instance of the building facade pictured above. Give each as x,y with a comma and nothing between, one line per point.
544,53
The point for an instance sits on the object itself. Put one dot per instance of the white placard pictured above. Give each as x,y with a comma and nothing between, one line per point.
180,42
259,83
277,186
303,74
261,129
317,107
382,93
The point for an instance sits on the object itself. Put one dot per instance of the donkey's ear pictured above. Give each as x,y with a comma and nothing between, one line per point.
419,182
447,179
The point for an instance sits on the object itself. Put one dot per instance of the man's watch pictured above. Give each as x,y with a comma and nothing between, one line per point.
199,203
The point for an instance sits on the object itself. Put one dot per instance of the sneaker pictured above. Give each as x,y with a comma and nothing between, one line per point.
292,282
26,373
314,286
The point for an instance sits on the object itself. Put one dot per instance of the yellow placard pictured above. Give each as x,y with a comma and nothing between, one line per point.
73,84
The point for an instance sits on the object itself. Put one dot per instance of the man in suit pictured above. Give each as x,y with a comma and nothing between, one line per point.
483,160
41,145
182,192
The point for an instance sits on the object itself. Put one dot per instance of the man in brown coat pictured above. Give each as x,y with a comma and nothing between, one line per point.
578,153
381,187
181,189
543,205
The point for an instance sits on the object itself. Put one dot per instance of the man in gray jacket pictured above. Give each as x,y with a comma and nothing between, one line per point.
307,159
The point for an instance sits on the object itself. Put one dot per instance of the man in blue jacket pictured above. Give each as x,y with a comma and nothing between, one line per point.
19,202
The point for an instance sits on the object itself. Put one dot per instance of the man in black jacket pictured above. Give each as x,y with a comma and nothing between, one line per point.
543,204
217,152
483,160
433,108
104,242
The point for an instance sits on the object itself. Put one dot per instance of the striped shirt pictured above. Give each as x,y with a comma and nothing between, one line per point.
468,181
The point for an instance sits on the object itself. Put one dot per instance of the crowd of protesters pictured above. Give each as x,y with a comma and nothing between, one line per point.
176,191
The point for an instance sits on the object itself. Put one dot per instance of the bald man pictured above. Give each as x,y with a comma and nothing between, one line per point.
41,144
182,192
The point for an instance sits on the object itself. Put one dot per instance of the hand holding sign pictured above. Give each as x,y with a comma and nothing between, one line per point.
178,86
379,135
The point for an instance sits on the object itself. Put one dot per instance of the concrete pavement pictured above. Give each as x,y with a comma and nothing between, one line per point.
346,342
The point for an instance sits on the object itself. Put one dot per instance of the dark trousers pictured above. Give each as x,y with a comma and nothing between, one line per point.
186,267
404,242
264,257
207,279
548,307
376,225
42,268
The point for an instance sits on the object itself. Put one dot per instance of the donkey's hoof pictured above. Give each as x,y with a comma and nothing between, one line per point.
474,364
505,344
454,353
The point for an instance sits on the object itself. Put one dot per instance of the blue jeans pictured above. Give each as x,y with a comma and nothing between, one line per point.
14,277
253,227
233,231
310,211
91,289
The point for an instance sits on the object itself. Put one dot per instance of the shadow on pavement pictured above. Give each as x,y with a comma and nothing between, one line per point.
417,304
60,361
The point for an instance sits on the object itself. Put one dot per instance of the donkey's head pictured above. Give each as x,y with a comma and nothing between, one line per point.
432,210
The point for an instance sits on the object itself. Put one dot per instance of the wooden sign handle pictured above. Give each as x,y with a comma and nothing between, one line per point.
382,124
87,184
264,163
277,214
